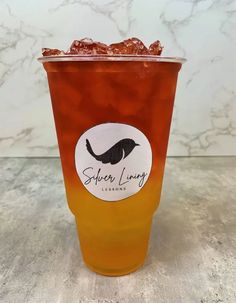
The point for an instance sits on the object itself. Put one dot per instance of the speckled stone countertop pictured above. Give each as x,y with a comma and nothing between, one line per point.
192,248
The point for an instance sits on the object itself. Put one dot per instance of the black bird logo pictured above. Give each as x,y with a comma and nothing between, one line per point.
117,152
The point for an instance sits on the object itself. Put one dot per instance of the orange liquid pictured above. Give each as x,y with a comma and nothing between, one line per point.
113,235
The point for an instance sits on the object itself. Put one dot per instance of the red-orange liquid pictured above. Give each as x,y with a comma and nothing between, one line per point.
113,235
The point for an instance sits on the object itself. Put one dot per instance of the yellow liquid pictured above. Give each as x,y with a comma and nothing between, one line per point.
114,235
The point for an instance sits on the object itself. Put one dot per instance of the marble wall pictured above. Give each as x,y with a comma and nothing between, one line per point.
203,31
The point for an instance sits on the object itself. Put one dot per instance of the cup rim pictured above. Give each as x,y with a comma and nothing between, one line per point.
104,58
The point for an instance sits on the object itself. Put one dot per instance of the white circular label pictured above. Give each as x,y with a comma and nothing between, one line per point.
113,160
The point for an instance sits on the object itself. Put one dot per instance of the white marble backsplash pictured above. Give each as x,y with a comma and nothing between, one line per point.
203,31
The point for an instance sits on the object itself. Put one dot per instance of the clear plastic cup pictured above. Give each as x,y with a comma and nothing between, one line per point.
112,117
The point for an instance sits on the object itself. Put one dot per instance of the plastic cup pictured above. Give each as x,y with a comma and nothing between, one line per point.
112,117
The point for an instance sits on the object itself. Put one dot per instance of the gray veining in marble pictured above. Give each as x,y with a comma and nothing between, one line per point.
204,121
192,248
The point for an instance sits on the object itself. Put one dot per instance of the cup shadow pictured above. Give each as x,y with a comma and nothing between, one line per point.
171,236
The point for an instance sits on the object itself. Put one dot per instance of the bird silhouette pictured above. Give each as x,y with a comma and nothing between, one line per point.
113,155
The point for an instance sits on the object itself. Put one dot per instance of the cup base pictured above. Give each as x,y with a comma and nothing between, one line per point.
114,251
114,272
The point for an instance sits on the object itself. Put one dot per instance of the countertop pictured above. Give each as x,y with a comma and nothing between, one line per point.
192,247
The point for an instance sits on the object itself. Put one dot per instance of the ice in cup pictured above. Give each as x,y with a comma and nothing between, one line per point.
112,107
